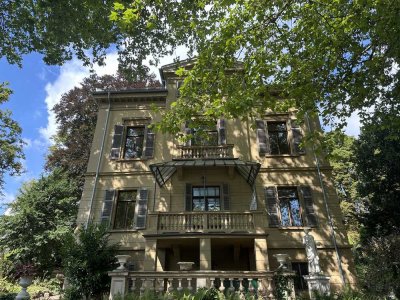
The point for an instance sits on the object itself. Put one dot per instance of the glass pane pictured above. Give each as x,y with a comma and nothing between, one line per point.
199,205
276,126
273,143
295,210
213,204
283,143
127,195
196,192
285,217
287,193
130,215
119,222
133,147
135,131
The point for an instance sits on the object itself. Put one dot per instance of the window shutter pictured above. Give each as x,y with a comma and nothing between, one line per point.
188,131
188,197
141,208
297,138
309,206
272,206
117,142
263,147
107,208
221,132
225,191
149,148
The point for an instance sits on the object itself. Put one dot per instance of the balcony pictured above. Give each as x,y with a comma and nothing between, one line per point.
203,152
205,221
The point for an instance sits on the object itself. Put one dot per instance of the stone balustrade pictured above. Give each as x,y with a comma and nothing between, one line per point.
206,221
219,151
254,282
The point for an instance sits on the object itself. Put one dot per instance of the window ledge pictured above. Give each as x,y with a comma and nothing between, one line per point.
283,155
292,228
131,159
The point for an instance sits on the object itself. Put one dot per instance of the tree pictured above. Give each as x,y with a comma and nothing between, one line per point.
11,143
76,116
88,257
340,149
43,213
329,56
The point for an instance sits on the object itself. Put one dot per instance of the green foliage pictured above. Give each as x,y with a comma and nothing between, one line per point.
87,259
42,215
340,150
11,143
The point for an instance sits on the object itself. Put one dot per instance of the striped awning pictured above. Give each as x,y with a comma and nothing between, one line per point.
164,171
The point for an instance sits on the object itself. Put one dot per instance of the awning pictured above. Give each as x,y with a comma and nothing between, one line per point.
164,171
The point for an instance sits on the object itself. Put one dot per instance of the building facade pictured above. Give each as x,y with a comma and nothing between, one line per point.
227,203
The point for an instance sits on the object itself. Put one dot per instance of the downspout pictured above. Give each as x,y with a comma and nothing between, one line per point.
325,197
96,178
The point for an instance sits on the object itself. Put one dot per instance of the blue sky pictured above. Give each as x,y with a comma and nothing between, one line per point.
36,89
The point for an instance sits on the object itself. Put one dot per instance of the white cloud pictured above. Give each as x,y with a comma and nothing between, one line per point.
353,125
70,75
6,199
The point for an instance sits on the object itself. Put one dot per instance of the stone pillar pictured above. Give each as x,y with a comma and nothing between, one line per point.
205,260
119,283
261,254
318,283
150,255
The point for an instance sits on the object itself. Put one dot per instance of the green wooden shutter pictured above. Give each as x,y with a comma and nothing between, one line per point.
188,197
106,210
225,192
271,203
263,147
221,132
297,138
117,142
149,147
309,206
141,208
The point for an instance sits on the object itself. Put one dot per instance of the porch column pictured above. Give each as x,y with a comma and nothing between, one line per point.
205,261
261,254
150,255
261,257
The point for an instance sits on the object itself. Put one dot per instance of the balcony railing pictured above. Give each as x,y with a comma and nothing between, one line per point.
205,221
199,152
253,282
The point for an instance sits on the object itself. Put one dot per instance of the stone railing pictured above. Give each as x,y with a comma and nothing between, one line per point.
253,282
205,221
220,151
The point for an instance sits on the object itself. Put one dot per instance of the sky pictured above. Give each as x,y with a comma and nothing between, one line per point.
37,87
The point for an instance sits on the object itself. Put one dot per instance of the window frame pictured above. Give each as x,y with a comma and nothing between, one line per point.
301,204
291,124
206,208
114,212
288,137
299,275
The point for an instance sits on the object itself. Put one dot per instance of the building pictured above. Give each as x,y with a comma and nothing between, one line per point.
228,203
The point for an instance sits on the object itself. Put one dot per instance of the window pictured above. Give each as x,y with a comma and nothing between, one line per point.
125,210
301,269
290,206
206,198
279,137
134,140
207,135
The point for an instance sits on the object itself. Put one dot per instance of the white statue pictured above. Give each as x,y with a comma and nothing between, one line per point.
312,255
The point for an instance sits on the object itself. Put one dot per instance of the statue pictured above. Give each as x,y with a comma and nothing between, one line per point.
312,255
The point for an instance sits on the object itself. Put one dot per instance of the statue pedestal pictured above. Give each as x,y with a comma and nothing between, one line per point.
318,283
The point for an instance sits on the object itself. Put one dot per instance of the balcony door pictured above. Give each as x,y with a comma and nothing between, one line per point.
206,198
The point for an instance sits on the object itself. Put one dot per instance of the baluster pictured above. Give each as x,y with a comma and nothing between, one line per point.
180,288
270,291
251,287
160,285
152,287
241,287
143,287
189,287
221,287
133,286
212,282
170,286
231,288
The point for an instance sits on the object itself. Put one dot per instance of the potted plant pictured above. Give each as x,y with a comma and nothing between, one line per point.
25,272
